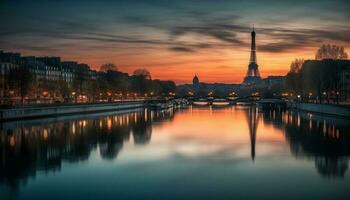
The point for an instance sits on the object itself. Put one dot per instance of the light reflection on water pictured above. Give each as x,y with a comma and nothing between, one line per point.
196,152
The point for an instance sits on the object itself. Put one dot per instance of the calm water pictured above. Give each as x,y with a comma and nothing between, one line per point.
190,153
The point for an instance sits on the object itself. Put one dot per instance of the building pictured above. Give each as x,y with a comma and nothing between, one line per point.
52,67
345,82
195,83
253,74
8,62
272,81
67,71
46,70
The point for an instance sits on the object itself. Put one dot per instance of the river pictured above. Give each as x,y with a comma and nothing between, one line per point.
188,153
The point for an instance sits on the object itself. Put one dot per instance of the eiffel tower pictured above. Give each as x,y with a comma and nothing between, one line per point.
253,74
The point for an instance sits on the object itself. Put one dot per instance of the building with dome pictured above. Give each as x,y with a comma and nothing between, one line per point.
195,83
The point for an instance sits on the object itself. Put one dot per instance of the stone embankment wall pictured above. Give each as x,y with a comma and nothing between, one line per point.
44,111
339,110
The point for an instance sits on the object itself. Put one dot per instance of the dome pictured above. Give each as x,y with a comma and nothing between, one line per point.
195,80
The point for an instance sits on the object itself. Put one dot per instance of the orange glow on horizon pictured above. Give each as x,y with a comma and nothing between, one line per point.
225,66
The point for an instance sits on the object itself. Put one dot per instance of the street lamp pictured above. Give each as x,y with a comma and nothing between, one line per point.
45,93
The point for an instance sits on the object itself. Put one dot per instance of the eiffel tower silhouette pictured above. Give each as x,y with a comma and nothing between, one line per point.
253,74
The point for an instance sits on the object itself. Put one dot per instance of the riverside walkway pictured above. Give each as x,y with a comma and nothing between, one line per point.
35,111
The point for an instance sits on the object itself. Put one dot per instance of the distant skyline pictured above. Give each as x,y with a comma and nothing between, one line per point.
175,39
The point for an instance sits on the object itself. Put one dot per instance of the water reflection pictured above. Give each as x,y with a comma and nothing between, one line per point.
253,120
195,135
323,139
27,149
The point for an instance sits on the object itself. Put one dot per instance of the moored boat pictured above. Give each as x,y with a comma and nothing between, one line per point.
200,102
220,102
160,104
244,103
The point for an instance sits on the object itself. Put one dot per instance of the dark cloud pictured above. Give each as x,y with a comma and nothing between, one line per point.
294,39
162,24
216,32
224,67
182,49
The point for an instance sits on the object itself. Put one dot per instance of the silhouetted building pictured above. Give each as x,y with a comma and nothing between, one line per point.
195,83
345,82
335,79
44,70
271,81
8,62
253,74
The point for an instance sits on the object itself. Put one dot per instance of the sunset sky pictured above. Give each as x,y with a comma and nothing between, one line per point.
175,39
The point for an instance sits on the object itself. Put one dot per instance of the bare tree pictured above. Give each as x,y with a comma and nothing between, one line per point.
295,66
108,67
21,79
143,72
333,52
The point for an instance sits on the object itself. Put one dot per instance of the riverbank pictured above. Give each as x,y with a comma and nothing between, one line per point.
330,109
65,109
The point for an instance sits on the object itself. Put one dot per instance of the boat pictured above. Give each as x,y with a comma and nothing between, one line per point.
220,102
160,104
180,102
244,103
200,102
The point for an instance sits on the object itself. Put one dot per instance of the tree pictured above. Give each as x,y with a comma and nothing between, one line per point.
64,89
21,79
139,84
167,86
108,67
333,52
295,66
143,72
80,79
93,90
317,78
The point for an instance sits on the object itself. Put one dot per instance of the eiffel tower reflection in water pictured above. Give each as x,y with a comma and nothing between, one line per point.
253,120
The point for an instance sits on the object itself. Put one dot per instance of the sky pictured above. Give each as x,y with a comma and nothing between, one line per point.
175,39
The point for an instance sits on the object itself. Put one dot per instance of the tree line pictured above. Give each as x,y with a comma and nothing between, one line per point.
107,84
319,80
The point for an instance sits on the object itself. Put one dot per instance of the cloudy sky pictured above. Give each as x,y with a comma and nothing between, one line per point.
175,39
